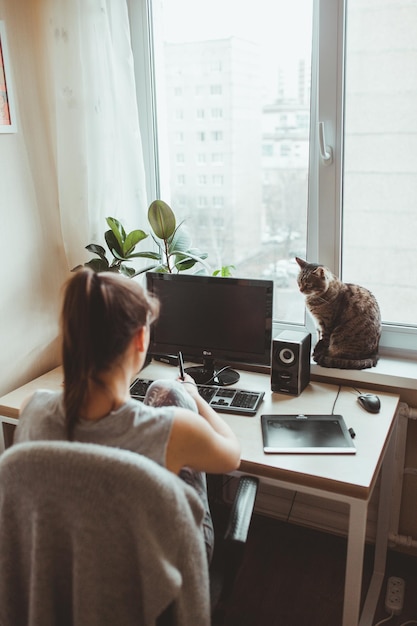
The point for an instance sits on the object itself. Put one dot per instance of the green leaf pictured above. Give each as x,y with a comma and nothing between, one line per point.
95,248
98,265
150,268
198,253
184,263
161,269
132,240
180,240
127,271
113,243
225,271
162,219
118,230
138,255
188,255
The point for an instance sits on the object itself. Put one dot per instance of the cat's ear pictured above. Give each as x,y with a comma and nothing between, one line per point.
320,271
300,262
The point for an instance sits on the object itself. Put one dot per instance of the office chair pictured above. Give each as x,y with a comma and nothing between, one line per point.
93,535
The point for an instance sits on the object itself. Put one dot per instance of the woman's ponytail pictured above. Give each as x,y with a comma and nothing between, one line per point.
100,315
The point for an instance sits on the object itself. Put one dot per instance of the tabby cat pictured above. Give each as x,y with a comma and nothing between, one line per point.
348,316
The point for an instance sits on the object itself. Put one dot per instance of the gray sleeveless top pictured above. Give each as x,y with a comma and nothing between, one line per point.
134,426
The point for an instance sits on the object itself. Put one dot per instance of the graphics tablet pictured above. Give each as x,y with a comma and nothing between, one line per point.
306,434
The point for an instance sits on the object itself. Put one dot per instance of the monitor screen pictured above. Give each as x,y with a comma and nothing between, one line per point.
209,318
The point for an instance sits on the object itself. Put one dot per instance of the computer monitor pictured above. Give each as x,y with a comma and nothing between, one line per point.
211,319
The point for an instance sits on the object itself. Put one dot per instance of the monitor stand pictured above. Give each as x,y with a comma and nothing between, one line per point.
207,374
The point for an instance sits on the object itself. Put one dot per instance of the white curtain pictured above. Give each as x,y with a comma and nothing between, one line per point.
99,161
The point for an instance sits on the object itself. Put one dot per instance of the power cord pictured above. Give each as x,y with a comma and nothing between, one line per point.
358,391
291,506
335,400
215,375
387,619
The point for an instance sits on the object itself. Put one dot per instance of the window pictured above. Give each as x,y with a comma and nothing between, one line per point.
215,90
217,158
379,225
216,113
202,202
280,90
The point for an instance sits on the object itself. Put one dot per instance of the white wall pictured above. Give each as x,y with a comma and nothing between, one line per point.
32,262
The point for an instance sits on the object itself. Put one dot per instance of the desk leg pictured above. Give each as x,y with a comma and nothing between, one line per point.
4,423
354,562
382,532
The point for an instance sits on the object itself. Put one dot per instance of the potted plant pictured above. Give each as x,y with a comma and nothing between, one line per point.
173,246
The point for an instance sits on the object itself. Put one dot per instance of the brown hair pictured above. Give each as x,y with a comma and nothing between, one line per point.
100,315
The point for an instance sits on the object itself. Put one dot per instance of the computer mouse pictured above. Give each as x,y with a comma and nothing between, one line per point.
370,402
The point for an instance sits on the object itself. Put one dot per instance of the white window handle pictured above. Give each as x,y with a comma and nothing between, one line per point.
326,152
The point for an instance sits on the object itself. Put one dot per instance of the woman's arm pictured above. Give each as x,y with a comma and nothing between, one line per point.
204,409
204,442
195,443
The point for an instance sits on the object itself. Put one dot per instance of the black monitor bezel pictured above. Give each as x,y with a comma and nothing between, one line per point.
198,353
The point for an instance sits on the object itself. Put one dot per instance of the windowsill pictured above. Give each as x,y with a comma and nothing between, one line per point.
391,372
395,372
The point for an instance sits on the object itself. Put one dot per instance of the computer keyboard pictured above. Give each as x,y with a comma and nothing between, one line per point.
222,399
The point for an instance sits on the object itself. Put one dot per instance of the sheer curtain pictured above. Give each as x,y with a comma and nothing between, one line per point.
99,159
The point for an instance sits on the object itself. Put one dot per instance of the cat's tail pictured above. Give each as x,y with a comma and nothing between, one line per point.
346,363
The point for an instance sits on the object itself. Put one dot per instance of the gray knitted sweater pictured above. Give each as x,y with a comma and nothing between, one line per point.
97,536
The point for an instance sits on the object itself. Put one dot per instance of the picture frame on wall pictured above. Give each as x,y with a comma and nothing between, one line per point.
7,109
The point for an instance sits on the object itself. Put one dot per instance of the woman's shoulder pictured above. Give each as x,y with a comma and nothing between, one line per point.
41,417
42,399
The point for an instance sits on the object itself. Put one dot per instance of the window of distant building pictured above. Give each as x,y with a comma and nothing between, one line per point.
216,90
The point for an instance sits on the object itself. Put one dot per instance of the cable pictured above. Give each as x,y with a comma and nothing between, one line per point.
215,374
337,396
291,506
383,621
387,619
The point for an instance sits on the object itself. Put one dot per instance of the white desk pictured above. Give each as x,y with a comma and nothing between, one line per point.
346,478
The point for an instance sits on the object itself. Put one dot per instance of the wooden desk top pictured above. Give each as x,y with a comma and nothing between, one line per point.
10,403
350,475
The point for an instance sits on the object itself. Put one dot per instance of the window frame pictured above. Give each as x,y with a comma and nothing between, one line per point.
325,195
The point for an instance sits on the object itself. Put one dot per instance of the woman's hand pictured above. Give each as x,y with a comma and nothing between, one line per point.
189,385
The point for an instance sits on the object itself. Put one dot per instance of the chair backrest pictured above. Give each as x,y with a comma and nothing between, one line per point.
92,535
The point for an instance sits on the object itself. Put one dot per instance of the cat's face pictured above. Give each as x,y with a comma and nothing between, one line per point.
312,278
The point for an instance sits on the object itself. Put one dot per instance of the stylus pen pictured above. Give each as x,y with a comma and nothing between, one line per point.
181,365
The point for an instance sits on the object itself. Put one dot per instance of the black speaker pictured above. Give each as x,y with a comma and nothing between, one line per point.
290,362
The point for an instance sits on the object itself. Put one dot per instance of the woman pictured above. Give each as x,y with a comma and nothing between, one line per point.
106,321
